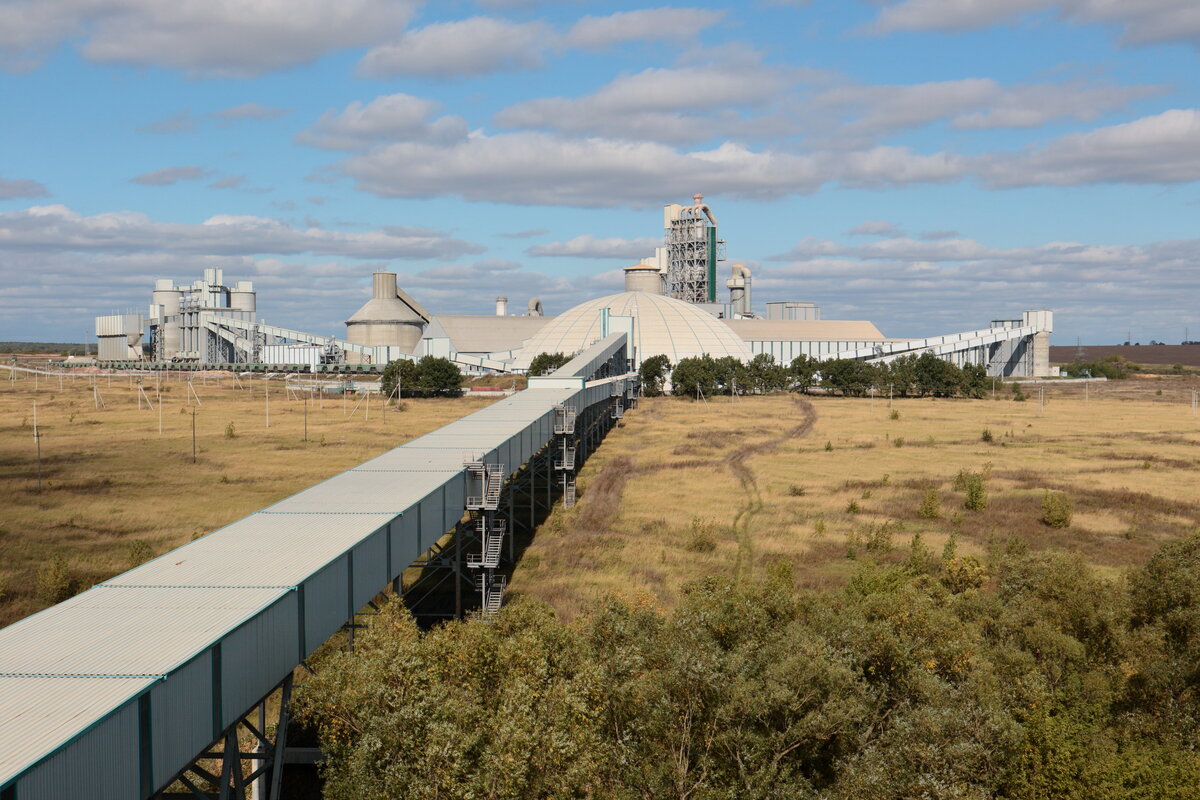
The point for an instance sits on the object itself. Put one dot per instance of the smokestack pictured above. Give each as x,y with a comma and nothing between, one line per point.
501,306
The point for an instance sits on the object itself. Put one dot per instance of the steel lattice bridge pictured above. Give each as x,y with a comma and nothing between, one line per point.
146,681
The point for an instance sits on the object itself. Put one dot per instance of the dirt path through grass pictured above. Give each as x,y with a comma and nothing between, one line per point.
736,462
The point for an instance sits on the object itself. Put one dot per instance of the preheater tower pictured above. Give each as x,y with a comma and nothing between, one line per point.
693,251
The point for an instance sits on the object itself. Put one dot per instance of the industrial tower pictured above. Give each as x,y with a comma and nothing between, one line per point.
693,251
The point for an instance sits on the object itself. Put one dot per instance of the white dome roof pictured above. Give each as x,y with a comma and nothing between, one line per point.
662,326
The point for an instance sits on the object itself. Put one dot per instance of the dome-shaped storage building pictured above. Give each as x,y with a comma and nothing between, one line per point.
661,326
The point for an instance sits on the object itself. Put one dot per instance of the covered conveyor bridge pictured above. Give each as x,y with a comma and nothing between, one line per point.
119,691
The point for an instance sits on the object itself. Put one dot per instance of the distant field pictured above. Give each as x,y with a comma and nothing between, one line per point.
683,490
111,480
1186,354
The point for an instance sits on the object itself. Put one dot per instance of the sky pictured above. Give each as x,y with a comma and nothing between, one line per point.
929,165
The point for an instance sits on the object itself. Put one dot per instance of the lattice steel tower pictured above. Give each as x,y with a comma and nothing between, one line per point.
693,251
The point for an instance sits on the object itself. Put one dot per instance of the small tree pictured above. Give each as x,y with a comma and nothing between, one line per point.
931,504
545,363
403,373
439,377
976,499
694,375
803,373
1056,509
653,375
763,375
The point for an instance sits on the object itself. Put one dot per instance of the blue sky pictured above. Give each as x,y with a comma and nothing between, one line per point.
925,164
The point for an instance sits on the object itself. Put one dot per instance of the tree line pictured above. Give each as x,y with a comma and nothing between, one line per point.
906,376
1024,676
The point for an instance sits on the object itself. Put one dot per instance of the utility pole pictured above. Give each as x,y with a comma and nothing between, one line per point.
193,436
305,418
37,440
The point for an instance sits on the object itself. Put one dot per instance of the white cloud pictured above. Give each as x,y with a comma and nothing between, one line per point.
1141,21
21,187
255,111
388,118
57,229
1164,148
198,36
588,246
169,176
647,24
530,168
875,227
475,46
228,182
485,45
183,122
671,105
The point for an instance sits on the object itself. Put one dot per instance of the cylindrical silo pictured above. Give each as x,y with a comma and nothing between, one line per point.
643,278
242,297
385,319
501,306
168,298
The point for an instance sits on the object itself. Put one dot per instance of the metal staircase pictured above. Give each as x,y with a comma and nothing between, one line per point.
491,589
486,483
491,538
569,494
564,419
565,460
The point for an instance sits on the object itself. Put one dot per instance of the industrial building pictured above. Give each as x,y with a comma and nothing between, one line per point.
670,307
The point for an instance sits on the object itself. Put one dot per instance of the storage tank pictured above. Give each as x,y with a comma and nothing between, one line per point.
385,319
168,298
501,306
242,297
643,278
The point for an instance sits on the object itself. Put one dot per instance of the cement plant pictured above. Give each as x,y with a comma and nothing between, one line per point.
674,304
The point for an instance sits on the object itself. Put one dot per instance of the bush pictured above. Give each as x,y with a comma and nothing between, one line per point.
987,436
1056,509
545,363
972,483
399,376
139,553
931,504
795,491
894,415
230,431
828,447
898,441
852,507
963,572
702,538
54,582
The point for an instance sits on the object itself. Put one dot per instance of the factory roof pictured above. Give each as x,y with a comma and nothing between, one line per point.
770,330
488,334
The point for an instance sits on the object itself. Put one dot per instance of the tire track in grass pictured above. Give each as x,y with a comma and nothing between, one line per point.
736,462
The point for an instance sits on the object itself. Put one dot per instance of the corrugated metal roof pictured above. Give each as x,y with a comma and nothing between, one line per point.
110,630
262,549
488,334
825,330
38,714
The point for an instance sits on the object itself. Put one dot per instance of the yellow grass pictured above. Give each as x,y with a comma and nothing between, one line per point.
111,479
1126,456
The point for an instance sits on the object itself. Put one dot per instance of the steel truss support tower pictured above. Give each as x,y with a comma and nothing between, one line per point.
693,251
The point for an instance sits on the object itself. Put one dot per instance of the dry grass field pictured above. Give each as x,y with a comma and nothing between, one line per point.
682,490
116,491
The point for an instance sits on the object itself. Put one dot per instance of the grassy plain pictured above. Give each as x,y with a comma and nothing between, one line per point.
682,490
112,481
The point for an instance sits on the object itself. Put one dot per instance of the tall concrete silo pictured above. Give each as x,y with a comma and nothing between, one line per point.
386,319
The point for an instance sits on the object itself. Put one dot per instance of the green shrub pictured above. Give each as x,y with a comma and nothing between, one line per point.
795,491
54,582
972,484
962,573
828,446
987,436
895,414
139,553
852,507
230,431
898,441
1056,509
931,504
819,526
701,538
